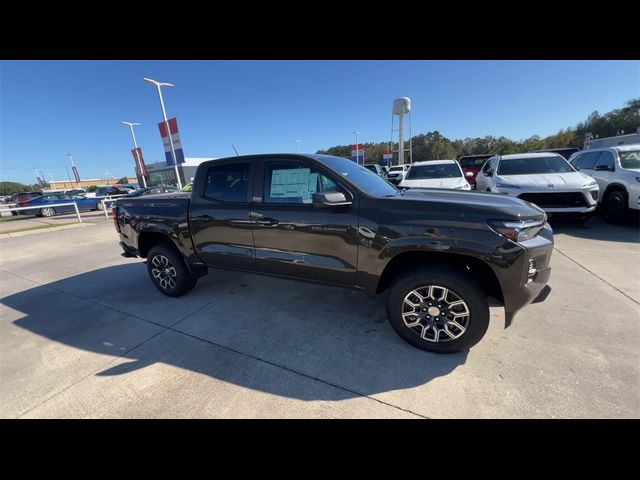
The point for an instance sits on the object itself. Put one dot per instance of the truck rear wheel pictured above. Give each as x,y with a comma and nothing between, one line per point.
438,309
168,272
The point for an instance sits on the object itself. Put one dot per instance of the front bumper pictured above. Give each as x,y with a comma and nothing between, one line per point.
519,285
589,195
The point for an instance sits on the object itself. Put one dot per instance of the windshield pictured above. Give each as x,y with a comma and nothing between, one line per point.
532,166
630,159
364,179
396,169
442,170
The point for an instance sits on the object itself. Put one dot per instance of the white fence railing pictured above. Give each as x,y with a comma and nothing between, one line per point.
40,207
109,198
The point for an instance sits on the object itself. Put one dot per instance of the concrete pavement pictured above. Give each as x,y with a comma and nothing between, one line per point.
83,333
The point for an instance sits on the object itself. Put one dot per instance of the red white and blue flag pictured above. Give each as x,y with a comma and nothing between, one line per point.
387,156
357,153
175,137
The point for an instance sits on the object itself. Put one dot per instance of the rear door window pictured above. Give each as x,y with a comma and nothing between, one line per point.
606,159
228,183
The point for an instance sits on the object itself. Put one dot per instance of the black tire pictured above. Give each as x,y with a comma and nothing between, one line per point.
461,285
615,205
174,279
98,205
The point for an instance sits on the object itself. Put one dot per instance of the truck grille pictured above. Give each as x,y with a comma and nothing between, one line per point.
555,199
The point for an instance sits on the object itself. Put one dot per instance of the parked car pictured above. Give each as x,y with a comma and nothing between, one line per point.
23,197
111,190
546,179
435,174
566,152
76,191
42,205
375,168
471,165
154,190
617,171
396,173
440,253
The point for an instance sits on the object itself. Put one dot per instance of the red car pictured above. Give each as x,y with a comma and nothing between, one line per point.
471,165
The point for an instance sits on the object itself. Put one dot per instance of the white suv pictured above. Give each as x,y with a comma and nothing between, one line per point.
546,179
617,171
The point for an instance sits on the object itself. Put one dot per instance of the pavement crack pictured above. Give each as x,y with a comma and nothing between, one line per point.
597,276
297,372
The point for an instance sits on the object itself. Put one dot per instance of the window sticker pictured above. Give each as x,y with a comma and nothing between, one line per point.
298,183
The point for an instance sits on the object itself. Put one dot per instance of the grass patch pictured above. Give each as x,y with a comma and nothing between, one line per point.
15,217
39,227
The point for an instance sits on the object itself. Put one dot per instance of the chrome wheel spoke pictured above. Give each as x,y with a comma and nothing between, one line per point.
445,292
456,303
410,319
449,332
458,326
436,334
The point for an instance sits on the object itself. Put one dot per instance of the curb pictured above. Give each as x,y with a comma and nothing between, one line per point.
44,230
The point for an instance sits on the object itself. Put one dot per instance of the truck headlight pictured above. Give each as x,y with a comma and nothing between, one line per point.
590,184
517,231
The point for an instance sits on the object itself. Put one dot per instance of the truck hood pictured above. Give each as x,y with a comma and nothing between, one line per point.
469,205
559,181
434,182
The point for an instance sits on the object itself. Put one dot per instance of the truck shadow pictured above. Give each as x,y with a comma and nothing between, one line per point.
230,327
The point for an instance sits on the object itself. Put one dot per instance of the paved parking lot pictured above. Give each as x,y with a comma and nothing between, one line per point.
83,333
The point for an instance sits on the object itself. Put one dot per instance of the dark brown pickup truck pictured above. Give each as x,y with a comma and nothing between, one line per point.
440,254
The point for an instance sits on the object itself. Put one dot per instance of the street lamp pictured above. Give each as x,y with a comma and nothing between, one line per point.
298,142
159,85
357,133
135,145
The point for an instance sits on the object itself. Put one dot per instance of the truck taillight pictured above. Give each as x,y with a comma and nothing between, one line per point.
114,214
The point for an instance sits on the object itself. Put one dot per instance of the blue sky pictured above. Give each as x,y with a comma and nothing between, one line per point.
50,108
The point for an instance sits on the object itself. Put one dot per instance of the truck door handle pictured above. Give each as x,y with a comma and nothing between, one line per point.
260,220
267,221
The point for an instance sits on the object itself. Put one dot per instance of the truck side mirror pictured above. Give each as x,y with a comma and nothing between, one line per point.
330,199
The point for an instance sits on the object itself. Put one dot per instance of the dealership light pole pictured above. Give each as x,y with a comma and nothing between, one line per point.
159,86
135,145
298,142
357,159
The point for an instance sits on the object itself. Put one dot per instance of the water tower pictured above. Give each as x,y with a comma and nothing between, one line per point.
401,107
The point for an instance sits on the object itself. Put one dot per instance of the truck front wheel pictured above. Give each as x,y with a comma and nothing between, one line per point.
438,308
168,271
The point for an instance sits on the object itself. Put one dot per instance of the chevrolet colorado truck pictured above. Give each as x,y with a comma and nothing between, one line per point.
441,255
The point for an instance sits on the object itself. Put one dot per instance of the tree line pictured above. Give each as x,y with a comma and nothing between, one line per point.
433,145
